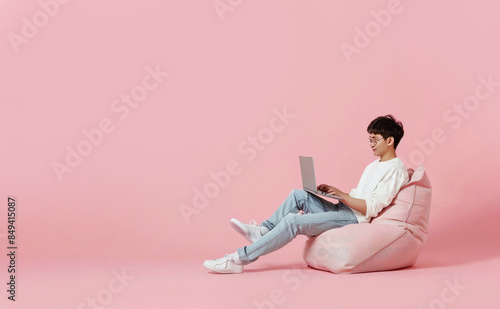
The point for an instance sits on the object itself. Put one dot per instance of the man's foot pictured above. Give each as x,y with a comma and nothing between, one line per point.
224,265
250,231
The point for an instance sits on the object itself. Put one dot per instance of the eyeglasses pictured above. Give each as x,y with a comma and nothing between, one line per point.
373,141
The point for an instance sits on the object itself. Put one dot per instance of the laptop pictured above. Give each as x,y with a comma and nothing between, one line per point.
309,179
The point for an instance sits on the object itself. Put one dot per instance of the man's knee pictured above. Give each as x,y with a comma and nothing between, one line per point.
298,194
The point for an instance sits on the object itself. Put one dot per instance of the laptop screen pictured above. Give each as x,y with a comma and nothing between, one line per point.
307,172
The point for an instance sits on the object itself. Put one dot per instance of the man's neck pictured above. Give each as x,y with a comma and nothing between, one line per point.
388,156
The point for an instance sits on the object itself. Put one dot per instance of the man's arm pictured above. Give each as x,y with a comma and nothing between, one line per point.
355,203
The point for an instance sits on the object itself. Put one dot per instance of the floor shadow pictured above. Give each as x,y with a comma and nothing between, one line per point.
280,267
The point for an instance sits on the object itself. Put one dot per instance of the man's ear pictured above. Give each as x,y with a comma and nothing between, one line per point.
390,141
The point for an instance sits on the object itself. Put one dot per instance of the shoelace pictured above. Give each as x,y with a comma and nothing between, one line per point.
253,224
226,257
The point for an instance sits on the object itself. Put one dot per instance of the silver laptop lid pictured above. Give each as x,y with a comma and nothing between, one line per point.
307,171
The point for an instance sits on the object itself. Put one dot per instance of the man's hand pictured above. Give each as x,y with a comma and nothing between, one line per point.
355,203
331,190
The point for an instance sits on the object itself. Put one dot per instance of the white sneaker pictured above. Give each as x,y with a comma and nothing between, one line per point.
223,265
250,231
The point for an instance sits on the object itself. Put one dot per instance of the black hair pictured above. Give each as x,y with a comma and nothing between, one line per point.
387,126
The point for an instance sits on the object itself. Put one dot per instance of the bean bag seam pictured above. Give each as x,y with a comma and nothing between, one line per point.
381,249
411,205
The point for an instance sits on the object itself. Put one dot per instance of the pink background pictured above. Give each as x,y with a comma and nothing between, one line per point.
121,205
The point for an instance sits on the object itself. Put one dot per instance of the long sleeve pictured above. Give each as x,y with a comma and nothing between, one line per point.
385,191
353,192
378,185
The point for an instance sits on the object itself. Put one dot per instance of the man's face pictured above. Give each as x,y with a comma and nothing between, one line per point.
378,144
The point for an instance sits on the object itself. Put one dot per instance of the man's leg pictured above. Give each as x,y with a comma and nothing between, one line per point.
295,202
320,216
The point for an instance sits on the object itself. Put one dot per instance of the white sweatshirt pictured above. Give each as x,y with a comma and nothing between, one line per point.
379,184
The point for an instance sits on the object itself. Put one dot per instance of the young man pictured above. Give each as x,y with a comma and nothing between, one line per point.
304,213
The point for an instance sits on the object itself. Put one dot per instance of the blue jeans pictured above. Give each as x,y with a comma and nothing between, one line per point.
286,223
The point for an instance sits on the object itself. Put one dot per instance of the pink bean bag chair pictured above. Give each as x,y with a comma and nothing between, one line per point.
392,240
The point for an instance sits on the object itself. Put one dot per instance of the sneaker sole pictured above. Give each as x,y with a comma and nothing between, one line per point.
219,271
240,228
